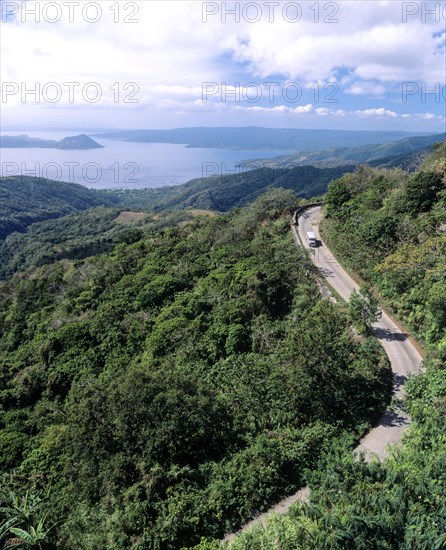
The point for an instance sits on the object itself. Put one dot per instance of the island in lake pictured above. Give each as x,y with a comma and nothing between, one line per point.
73,142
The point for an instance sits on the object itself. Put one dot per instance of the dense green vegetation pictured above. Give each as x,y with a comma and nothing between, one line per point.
173,386
226,191
172,380
26,200
390,228
78,236
398,505
75,236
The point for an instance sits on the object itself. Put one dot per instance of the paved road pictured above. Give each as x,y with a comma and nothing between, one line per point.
404,357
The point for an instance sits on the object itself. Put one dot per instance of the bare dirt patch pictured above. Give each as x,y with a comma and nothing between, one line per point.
197,212
126,217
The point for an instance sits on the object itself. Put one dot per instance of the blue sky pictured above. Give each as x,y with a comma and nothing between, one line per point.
152,64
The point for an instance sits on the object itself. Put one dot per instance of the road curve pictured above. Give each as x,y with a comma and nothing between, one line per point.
404,358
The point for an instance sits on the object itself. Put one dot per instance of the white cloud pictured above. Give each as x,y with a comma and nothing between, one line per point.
366,88
309,109
375,112
171,52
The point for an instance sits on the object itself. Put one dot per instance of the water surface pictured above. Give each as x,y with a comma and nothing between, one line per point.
122,164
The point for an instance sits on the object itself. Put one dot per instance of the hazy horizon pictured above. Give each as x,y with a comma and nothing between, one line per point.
89,131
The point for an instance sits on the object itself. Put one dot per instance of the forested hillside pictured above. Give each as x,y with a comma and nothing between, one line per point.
80,235
226,191
391,229
170,381
35,228
26,200
172,387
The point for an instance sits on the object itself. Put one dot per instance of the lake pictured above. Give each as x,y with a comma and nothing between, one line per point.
122,164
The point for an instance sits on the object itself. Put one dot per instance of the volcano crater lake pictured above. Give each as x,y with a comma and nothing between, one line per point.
123,164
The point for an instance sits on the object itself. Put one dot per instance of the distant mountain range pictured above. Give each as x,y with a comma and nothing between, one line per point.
405,153
256,138
73,142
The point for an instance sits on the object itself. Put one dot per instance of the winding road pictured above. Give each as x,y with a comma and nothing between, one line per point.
403,355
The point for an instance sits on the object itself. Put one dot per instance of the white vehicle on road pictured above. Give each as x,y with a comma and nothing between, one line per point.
312,241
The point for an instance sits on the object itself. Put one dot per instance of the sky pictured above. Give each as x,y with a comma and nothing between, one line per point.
359,64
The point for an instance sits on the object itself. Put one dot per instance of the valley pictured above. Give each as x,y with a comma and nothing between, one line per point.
217,319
